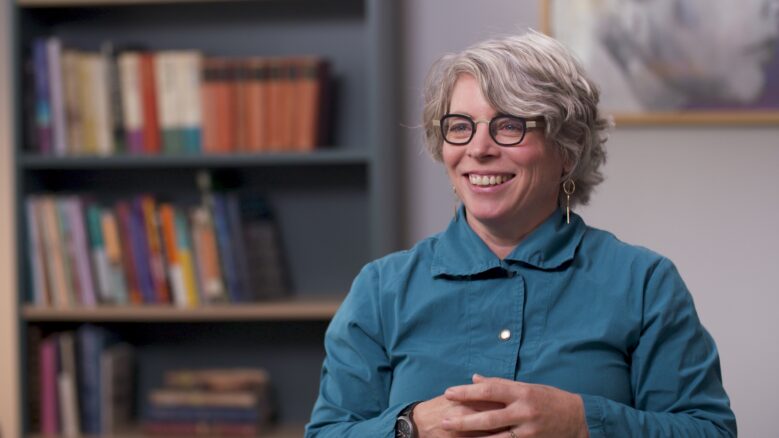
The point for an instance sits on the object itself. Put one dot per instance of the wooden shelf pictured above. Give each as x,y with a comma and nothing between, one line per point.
302,309
212,161
281,431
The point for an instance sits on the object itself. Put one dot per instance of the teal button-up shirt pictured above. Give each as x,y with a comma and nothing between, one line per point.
571,307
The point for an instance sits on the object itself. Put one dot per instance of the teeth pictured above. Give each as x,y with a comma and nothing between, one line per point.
488,180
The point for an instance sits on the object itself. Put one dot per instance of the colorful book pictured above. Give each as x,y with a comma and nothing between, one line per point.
122,281
37,256
55,253
227,255
156,258
75,208
42,96
129,257
59,135
186,258
175,271
66,379
99,256
49,365
132,107
151,124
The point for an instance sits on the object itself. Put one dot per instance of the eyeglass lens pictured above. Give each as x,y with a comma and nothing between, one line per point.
505,130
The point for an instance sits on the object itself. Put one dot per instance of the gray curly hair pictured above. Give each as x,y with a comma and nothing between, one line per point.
530,74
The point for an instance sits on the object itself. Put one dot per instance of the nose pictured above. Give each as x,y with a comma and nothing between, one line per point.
482,145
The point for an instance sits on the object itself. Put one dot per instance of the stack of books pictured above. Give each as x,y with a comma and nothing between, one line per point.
81,382
217,402
225,249
172,102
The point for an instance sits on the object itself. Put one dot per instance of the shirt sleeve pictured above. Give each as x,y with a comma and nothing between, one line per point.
356,374
675,372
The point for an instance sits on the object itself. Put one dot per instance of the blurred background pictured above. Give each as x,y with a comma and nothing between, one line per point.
703,195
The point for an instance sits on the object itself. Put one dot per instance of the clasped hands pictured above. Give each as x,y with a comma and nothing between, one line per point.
501,408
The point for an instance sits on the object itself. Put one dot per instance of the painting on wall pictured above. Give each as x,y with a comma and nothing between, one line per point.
676,61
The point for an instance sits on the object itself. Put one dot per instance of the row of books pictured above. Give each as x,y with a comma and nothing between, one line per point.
216,402
80,381
172,102
223,249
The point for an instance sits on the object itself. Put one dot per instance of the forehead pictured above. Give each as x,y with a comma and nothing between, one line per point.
467,96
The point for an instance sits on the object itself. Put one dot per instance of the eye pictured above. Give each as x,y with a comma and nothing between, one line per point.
509,126
459,127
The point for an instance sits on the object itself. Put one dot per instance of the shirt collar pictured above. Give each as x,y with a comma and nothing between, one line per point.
461,252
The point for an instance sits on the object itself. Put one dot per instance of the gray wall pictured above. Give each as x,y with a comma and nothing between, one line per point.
703,196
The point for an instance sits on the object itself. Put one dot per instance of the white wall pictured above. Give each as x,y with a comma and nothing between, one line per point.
704,196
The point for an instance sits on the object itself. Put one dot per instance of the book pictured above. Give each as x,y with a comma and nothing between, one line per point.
59,135
128,255
100,261
267,268
72,97
132,107
116,387
217,379
36,253
75,211
227,255
49,365
311,94
175,268
55,253
67,384
42,96
189,64
256,109
33,383
148,89
120,266
91,340
185,256
207,256
156,259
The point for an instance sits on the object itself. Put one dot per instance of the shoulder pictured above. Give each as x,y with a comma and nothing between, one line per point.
609,250
404,263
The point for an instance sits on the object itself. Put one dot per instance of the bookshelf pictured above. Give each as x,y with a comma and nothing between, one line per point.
335,205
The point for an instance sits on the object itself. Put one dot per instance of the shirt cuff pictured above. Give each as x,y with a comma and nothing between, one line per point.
593,413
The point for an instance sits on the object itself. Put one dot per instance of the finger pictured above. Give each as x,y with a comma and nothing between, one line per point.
488,420
494,390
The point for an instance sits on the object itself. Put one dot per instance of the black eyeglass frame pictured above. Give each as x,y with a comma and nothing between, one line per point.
527,123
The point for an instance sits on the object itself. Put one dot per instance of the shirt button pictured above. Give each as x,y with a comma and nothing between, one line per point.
505,334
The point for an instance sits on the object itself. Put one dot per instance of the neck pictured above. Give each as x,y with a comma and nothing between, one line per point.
502,237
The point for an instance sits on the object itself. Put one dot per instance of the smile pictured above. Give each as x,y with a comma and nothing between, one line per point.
489,180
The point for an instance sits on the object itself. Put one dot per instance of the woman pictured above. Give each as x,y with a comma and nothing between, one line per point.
518,319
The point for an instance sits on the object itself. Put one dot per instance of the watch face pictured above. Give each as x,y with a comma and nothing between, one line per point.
403,428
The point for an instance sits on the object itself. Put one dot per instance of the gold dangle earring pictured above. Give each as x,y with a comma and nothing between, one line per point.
568,187
456,198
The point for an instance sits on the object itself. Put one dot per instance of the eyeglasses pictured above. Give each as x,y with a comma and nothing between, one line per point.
458,129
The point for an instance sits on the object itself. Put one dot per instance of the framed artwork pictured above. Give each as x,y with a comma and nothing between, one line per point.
676,61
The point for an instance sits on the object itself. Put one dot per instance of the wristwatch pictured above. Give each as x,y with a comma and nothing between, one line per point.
404,426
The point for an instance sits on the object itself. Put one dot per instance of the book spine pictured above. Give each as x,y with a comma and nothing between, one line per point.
50,422
37,256
114,97
167,95
132,109
140,245
175,272
189,67
119,262
69,406
55,253
156,257
69,251
75,207
58,125
73,116
185,256
129,253
226,251
90,340
99,256
42,96
151,124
